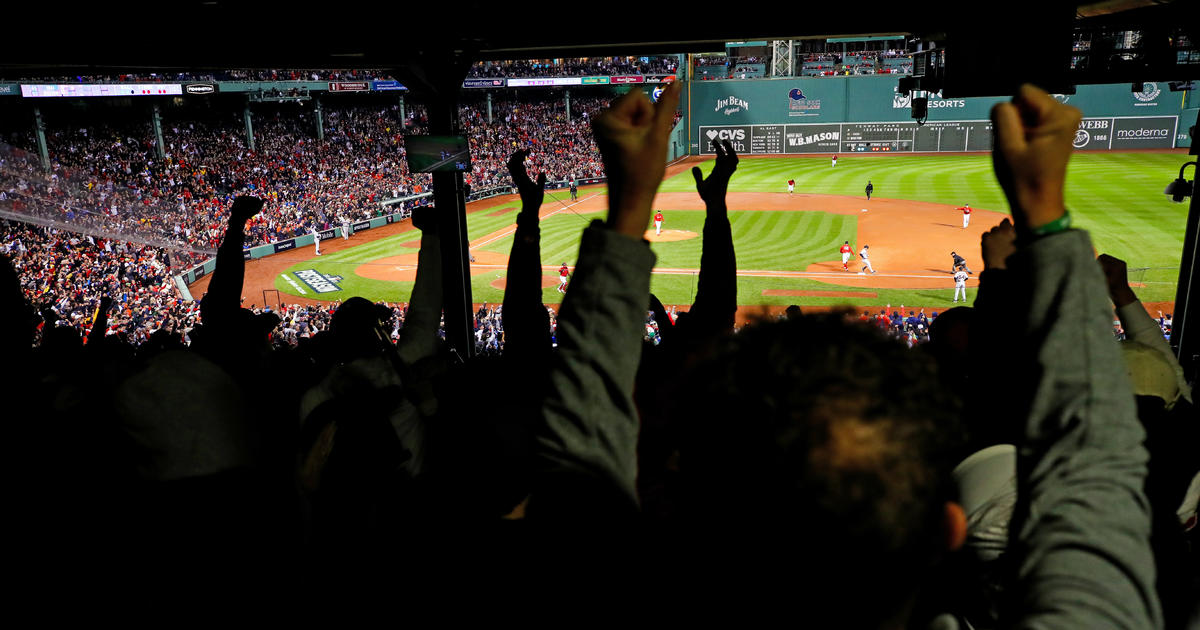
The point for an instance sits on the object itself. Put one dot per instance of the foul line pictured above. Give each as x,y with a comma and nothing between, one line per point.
547,216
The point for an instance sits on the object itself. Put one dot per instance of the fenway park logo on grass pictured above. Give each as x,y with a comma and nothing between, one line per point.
318,281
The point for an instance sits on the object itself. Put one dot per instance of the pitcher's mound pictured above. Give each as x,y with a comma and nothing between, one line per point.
669,235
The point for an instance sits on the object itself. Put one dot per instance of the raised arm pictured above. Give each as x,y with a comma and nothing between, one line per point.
225,291
587,463
1080,531
1138,324
716,293
526,322
100,325
419,337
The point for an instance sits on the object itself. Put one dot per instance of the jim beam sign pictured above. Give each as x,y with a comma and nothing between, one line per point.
731,105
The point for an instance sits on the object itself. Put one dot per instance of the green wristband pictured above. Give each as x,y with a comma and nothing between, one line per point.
1058,225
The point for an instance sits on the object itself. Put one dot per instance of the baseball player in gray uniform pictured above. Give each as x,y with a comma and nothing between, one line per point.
866,258
317,239
345,227
960,284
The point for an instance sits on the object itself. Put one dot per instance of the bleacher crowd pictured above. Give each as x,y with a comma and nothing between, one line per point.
109,179
576,67
245,74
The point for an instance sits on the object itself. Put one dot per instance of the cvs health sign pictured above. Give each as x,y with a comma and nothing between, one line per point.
737,135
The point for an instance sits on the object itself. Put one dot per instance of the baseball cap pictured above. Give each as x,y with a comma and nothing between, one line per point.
987,489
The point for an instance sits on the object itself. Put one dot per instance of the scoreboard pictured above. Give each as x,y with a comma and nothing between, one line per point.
1148,132
886,136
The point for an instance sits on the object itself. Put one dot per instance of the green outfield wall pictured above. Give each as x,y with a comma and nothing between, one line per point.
867,114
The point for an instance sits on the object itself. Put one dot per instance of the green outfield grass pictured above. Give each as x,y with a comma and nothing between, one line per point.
1116,196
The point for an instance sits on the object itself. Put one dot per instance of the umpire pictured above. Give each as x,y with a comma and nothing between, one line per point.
959,261
870,189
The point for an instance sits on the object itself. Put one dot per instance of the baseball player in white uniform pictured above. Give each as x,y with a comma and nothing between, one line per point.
345,228
960,284
317,239
866,258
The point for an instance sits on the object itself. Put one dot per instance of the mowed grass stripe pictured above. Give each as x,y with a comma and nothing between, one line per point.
1117,197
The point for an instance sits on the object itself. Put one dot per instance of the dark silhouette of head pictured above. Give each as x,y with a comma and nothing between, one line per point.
818,439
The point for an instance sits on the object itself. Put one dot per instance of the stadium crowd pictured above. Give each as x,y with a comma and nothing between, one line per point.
66,275
562,149
218,75
578,67
1019,469
108,178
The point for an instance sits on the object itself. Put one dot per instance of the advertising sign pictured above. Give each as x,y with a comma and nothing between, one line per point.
107,89
1132,132
545,82
813,138
1093,133
383,86
483,83
738,137
349,86
1154,132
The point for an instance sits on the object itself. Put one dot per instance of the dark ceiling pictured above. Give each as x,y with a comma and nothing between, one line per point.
426,37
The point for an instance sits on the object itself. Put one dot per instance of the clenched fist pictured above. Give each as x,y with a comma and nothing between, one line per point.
1033,143
632,137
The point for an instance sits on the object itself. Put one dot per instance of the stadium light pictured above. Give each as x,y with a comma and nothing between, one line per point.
1180,188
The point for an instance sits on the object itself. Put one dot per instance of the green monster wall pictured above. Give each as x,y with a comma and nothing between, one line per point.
810,115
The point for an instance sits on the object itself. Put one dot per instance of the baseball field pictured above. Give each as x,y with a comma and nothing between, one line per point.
787,244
